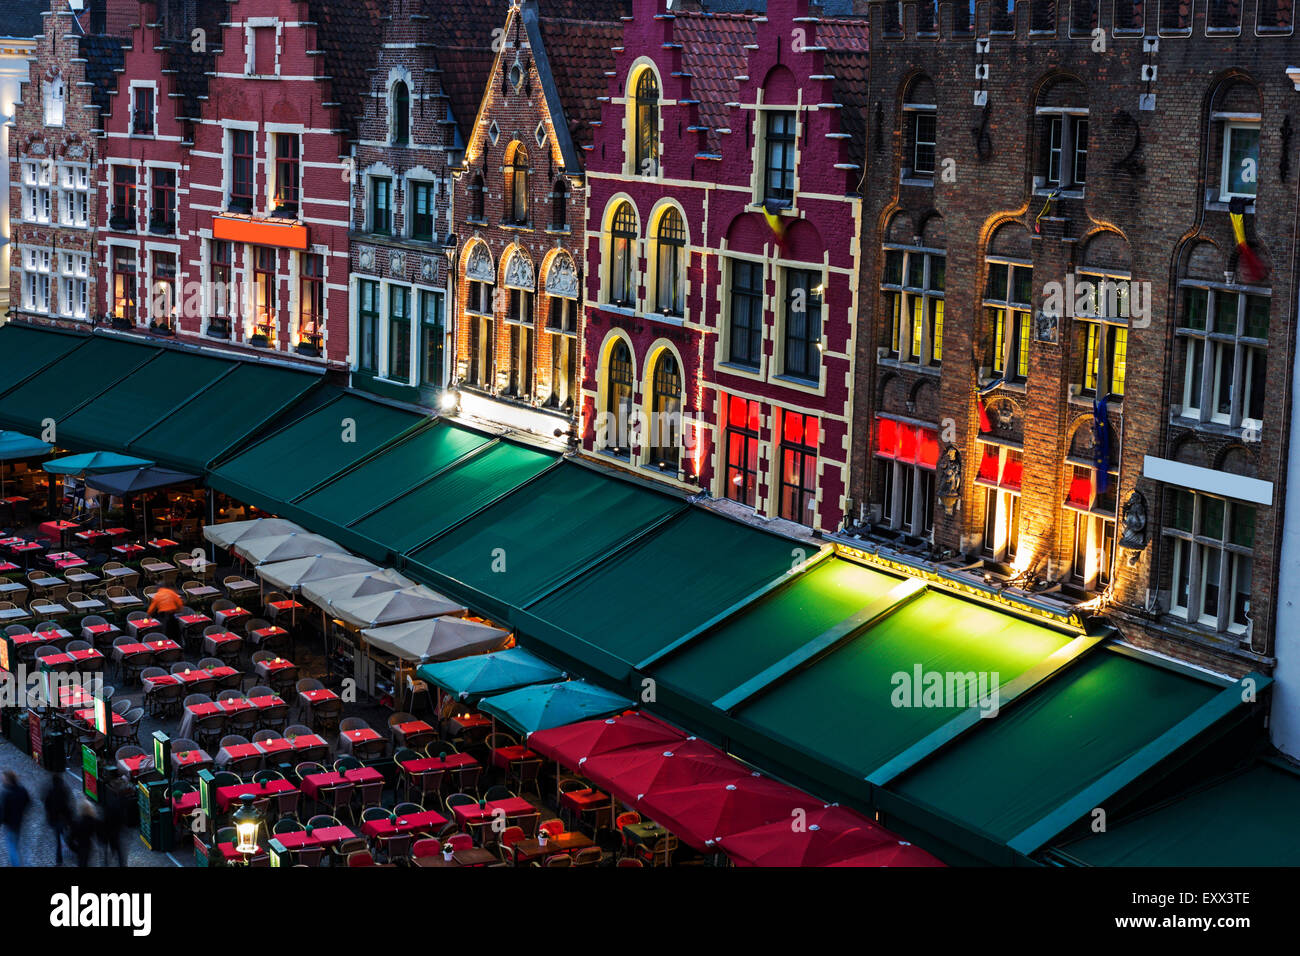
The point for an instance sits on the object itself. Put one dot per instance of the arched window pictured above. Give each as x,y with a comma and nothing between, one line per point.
646,129
913,290
401,118
920,113
619,401
666,413
517,184
55,98
622,259
670,264
560,204
476,198
1062,118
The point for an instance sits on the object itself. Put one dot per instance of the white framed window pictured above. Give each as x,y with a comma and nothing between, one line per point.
913,286
1239,161
1063,150
1211,540
1223,337
74,195
74,281
55,99
921,121
36,280
36,191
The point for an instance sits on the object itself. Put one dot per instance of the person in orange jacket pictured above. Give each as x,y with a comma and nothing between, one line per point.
165,604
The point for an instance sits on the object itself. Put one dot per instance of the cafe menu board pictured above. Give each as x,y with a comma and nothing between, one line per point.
161,752
4,654
102,716
35,736
90,773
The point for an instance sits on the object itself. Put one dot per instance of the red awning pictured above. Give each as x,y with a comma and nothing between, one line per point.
573,744
633,773
702,814
1080,492
830,835
901,853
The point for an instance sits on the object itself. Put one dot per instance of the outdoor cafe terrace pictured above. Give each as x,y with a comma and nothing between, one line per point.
407,641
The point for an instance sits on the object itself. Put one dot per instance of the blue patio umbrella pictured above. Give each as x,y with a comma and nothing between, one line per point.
94,463
530,709
470,678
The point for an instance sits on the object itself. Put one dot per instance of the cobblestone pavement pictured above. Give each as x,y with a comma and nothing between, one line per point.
38,841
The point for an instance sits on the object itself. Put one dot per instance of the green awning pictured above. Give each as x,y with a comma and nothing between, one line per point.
766,631
1013,771
431,508
381,479
840,709
93,463
543,706
205,426
1248,819
16,445
142,399
307,452
689,570
537,538
76,378
25,350
473,677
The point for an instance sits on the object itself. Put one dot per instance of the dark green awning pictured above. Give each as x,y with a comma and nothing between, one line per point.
381,479
1247,819
525,545
679,577
25,350
76,378
212,422
431,508
142,399
840,709
1012,771
771,628
304,454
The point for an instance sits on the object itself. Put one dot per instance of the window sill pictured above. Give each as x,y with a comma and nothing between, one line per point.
476,221
890,362
666,319
924,182
810,384
558,230
1223,204
1045,191
617,456
517,226
749,371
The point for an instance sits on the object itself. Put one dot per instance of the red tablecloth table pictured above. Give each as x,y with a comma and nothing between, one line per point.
583,800
316,696
312,783
408,823
87,716
281,745
191,620
503,757
321,836
450,762
468,722
510,806
227,797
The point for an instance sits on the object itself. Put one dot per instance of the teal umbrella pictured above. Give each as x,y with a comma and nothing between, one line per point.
94,463
530,709
473,677
16,445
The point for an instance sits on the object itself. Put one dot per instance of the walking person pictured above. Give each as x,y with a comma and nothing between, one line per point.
58,812
112,821
165,604
81,833
13,807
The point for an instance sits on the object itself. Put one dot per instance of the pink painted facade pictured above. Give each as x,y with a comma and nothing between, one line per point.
743,329
255,137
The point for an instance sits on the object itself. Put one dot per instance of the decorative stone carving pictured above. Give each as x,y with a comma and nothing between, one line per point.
562,278
519,272
1134,537
479,267
366,258
397,263
1045,327
950,480
428,268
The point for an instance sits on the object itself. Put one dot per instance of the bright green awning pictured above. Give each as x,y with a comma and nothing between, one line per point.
540,536
840,708
206,425
543,706
1012,771
679,572
384,477
433,507
768,630
74,379
295,459
24,350
1248,819
142,399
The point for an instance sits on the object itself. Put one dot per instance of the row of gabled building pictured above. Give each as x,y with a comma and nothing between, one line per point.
1008,294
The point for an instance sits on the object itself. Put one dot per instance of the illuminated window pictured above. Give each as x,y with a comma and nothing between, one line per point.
520,321
913,289
646,126
517,185
1006,306
618,404
907,455
311,299
220,253
742,440
670,264
124,293
622,260
800,437
666,413
264,290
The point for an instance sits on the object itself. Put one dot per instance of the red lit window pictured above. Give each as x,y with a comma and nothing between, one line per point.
887,437
743,418
990,464
799,439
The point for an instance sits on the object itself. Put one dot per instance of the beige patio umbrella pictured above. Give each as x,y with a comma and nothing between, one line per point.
285,548
228,532
291,575
394,607
436,639
321,593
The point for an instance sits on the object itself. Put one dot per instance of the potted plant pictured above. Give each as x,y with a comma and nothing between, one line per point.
120,322
260,340
447,851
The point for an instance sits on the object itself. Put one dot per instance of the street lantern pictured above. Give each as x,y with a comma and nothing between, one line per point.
247,820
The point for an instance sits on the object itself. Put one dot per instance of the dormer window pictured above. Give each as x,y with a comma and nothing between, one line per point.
142,122
646,127
779,143
401,114
55,100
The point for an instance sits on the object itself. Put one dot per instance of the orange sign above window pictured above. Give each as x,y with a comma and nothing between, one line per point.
260,232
